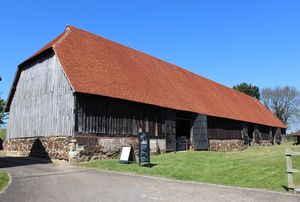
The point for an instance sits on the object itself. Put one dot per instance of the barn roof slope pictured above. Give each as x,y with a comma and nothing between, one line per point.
95,65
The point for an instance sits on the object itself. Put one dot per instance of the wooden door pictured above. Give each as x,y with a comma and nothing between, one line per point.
170,125
199,139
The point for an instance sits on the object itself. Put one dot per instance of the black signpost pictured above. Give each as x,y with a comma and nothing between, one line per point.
144,148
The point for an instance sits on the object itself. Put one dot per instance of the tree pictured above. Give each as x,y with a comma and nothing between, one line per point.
248,89
3,115
283,102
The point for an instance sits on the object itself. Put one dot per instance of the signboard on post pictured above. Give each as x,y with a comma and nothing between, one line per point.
144,148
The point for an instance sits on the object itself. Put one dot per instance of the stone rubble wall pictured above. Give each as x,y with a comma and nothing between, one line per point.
95,147
88,147
47,147
226,145
78,148
157,146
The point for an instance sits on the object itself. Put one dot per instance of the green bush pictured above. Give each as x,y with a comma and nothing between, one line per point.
291,138
2,133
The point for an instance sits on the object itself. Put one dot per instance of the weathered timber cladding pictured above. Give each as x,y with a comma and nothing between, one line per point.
277,134
224,134
265,132
43,103
219,128
170,130
226,129
199,140
108,116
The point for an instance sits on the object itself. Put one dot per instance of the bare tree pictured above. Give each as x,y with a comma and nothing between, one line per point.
283,102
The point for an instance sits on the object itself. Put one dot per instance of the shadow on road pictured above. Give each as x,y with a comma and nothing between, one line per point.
9,161
37,150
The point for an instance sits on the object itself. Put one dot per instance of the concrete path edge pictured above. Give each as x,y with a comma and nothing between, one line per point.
186,181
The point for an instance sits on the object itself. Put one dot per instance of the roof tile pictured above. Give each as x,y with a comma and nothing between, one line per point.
95,65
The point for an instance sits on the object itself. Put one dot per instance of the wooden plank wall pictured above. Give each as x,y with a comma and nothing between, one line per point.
108,116
43,104
265,132
200,140
170,130
220,128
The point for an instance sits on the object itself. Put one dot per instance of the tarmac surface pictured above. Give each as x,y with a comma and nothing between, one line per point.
41,181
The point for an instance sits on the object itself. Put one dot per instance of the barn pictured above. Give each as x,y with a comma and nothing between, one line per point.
83,97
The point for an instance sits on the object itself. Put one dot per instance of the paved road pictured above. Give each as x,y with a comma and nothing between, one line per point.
35,181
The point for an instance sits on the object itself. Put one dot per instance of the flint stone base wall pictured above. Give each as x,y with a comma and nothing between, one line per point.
157,146
46,147
85,148
226,145
78,148
96,147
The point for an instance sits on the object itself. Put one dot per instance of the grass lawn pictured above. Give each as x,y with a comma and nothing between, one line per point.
2,133
256,167
4,179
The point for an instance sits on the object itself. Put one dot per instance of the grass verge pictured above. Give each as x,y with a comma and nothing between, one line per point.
257,167
2,133
4,179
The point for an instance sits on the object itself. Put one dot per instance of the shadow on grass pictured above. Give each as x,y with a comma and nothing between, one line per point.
149,165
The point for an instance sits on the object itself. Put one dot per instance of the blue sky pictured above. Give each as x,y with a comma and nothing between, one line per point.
228,41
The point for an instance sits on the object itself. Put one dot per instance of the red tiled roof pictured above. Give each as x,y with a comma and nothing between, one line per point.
95,65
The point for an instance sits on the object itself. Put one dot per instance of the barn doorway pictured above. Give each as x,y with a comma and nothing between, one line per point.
183,132
250,131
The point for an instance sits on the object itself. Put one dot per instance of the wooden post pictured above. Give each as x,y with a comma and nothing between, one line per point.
259,135
289,166
253,139
270,135
278,132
